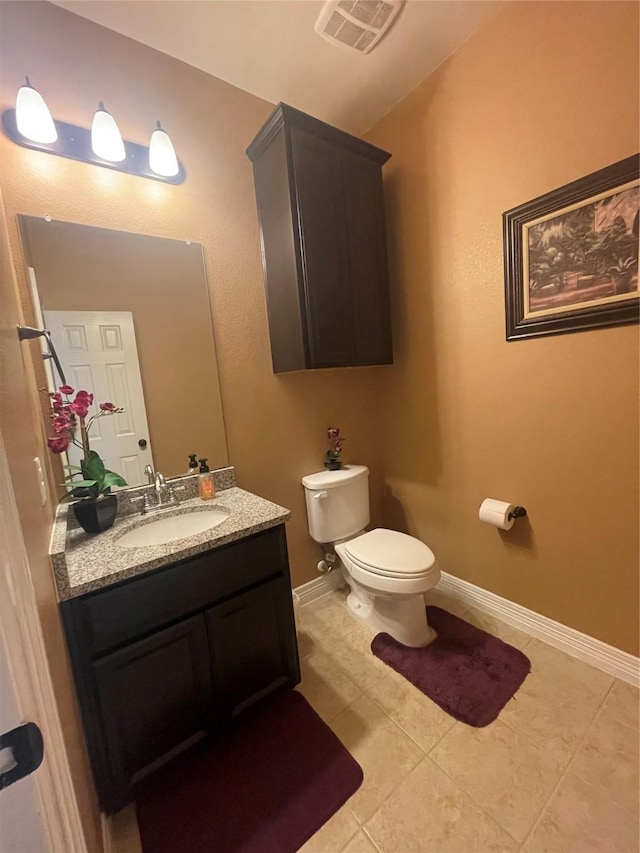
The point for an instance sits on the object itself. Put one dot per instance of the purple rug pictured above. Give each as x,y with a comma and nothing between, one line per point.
467,672
267,786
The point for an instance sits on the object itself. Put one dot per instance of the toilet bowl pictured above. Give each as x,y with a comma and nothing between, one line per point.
387,572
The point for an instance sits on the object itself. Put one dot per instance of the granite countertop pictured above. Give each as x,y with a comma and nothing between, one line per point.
85,562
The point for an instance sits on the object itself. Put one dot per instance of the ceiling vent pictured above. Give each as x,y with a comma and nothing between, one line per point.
357,24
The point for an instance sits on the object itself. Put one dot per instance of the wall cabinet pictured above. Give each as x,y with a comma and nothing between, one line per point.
211,637
321,211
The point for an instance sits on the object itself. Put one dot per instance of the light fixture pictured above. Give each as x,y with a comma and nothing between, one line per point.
30,125
106,140
162,156
33,117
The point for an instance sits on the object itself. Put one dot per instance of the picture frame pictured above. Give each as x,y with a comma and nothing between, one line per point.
571,255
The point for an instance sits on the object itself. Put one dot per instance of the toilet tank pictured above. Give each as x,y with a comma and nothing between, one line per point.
337,502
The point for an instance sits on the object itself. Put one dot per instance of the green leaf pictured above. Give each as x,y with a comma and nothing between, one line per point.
72,467
93,467
85,484
73,474
112,479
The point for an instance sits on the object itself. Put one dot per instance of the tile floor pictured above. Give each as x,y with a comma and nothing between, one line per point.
558,770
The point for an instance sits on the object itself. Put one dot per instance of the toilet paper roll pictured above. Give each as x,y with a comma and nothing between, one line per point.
497,513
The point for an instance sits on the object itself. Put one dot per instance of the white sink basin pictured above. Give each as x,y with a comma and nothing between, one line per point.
172,527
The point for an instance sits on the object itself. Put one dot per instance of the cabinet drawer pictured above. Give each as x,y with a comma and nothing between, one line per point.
143,604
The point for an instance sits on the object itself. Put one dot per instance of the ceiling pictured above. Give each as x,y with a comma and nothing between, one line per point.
269,48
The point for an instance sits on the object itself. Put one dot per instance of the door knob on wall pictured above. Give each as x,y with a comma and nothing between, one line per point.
24,750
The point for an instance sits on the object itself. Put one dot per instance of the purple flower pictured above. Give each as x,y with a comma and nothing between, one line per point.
65,413
80,407
61,423
84,395
335,442
58,443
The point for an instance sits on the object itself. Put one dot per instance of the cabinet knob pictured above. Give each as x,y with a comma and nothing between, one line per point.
142,442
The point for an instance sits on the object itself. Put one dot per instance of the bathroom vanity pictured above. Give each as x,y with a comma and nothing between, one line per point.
170,643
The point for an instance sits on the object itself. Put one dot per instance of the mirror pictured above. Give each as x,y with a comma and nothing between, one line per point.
131,321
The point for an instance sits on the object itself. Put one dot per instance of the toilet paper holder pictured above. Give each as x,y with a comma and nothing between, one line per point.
518,512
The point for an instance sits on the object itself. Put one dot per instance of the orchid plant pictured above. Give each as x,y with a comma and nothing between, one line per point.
335,444
67,415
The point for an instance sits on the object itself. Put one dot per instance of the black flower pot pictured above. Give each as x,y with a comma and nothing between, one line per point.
96,514
333,464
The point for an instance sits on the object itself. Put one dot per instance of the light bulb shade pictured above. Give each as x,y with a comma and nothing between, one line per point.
106,140
33,118
162,156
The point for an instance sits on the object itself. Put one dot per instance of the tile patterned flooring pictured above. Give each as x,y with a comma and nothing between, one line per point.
556,773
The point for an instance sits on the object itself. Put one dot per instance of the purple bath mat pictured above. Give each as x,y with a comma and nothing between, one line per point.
266,787
467,672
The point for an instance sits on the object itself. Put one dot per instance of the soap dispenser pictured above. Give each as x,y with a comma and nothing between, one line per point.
206,485
193,465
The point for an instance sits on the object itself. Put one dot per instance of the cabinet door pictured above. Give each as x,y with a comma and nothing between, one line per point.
364,207
253,646
154,696
323,249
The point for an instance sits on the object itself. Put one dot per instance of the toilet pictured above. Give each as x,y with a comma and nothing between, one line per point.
387,572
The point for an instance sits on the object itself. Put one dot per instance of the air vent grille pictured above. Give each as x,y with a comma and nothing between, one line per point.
357,24
371,12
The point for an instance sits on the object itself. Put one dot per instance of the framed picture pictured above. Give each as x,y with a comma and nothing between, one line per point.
571,256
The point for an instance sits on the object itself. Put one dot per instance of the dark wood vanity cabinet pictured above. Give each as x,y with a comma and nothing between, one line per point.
153,696
244,671
321,210
169,657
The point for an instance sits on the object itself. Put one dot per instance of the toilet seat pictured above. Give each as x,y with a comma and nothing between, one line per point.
390,554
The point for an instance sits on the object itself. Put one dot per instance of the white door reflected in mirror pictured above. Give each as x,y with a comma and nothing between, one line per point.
99,354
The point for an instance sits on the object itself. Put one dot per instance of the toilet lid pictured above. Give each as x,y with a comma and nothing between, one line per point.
390,553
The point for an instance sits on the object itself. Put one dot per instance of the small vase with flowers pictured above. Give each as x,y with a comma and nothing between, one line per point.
333,461
96,508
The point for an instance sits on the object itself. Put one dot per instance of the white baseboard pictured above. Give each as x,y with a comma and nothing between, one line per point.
622,665
319,587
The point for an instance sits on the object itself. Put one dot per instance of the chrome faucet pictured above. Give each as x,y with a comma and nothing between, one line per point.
159,481
163,496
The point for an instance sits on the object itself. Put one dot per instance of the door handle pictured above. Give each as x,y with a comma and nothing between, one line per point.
27,747
142,443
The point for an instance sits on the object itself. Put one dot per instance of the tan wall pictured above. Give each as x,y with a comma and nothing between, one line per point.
525,106
275,424
544,94
163,284
20,426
